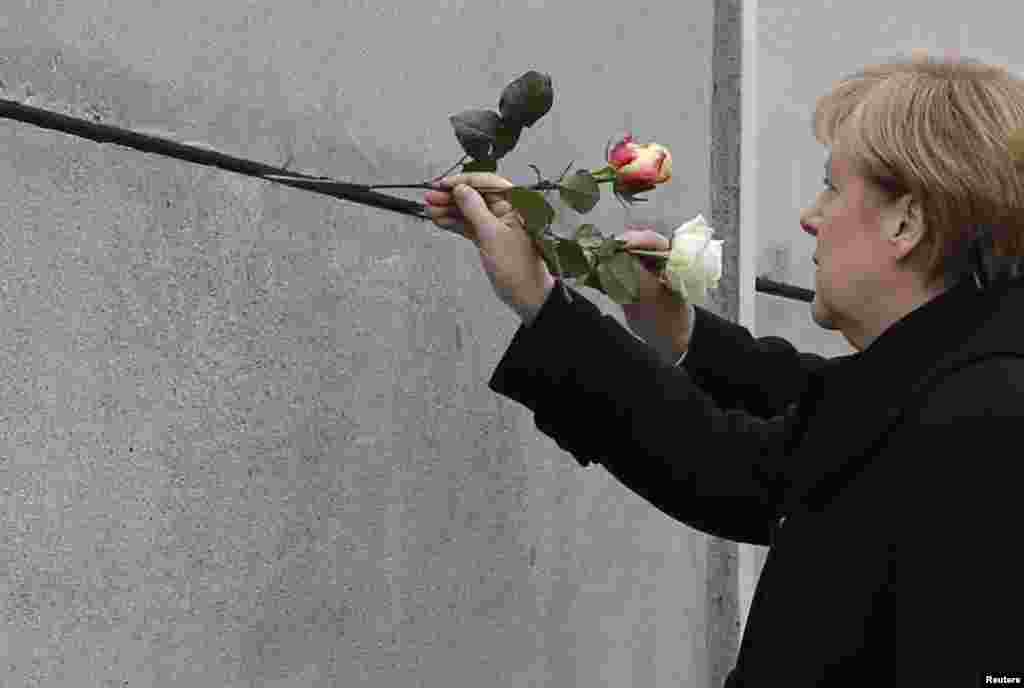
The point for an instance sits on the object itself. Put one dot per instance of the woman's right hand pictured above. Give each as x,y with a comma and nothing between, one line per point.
659,316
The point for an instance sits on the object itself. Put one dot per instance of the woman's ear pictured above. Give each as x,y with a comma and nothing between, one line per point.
906,224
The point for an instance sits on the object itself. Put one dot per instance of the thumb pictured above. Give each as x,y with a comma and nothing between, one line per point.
645,239
482,222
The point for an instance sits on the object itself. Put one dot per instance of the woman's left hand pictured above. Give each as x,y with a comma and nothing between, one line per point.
509,256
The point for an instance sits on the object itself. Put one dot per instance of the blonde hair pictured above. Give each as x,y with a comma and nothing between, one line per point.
939,130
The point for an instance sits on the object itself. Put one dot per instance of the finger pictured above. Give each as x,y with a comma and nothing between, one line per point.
438,198
487,180
492,197
439,203
500,208
646,239
512,218
479,219
441,215
448,218
438,212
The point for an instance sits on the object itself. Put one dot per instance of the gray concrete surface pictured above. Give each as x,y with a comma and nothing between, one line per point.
723,598
247,438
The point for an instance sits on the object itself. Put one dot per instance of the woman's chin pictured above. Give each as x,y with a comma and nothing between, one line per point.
820,313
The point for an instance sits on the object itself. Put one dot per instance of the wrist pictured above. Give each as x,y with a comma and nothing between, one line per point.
670,355
676,341
528,311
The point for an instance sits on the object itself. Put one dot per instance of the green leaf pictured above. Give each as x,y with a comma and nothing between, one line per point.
574,261
506,138
527,99
549,250
591,245
484,165
609,247
588,237
611,285
593,280
534,208
626,267
580,192
620,277
477,131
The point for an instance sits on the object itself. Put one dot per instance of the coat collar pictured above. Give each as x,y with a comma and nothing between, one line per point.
849,406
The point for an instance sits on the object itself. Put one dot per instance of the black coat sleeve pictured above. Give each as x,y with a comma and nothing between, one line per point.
604,396
762,376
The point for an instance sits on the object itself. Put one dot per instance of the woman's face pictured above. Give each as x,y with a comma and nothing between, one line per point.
852,275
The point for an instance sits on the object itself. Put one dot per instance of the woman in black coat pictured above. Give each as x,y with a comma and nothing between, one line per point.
887,483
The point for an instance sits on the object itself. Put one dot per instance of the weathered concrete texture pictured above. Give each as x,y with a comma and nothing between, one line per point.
246,434
722,597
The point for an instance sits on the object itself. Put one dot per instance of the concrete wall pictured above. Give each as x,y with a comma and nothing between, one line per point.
246,436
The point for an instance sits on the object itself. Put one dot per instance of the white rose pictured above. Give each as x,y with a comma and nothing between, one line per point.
695,261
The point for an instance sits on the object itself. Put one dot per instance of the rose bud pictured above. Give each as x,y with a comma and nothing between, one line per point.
639,167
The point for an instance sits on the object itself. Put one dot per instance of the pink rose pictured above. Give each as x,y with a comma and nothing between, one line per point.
639,167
